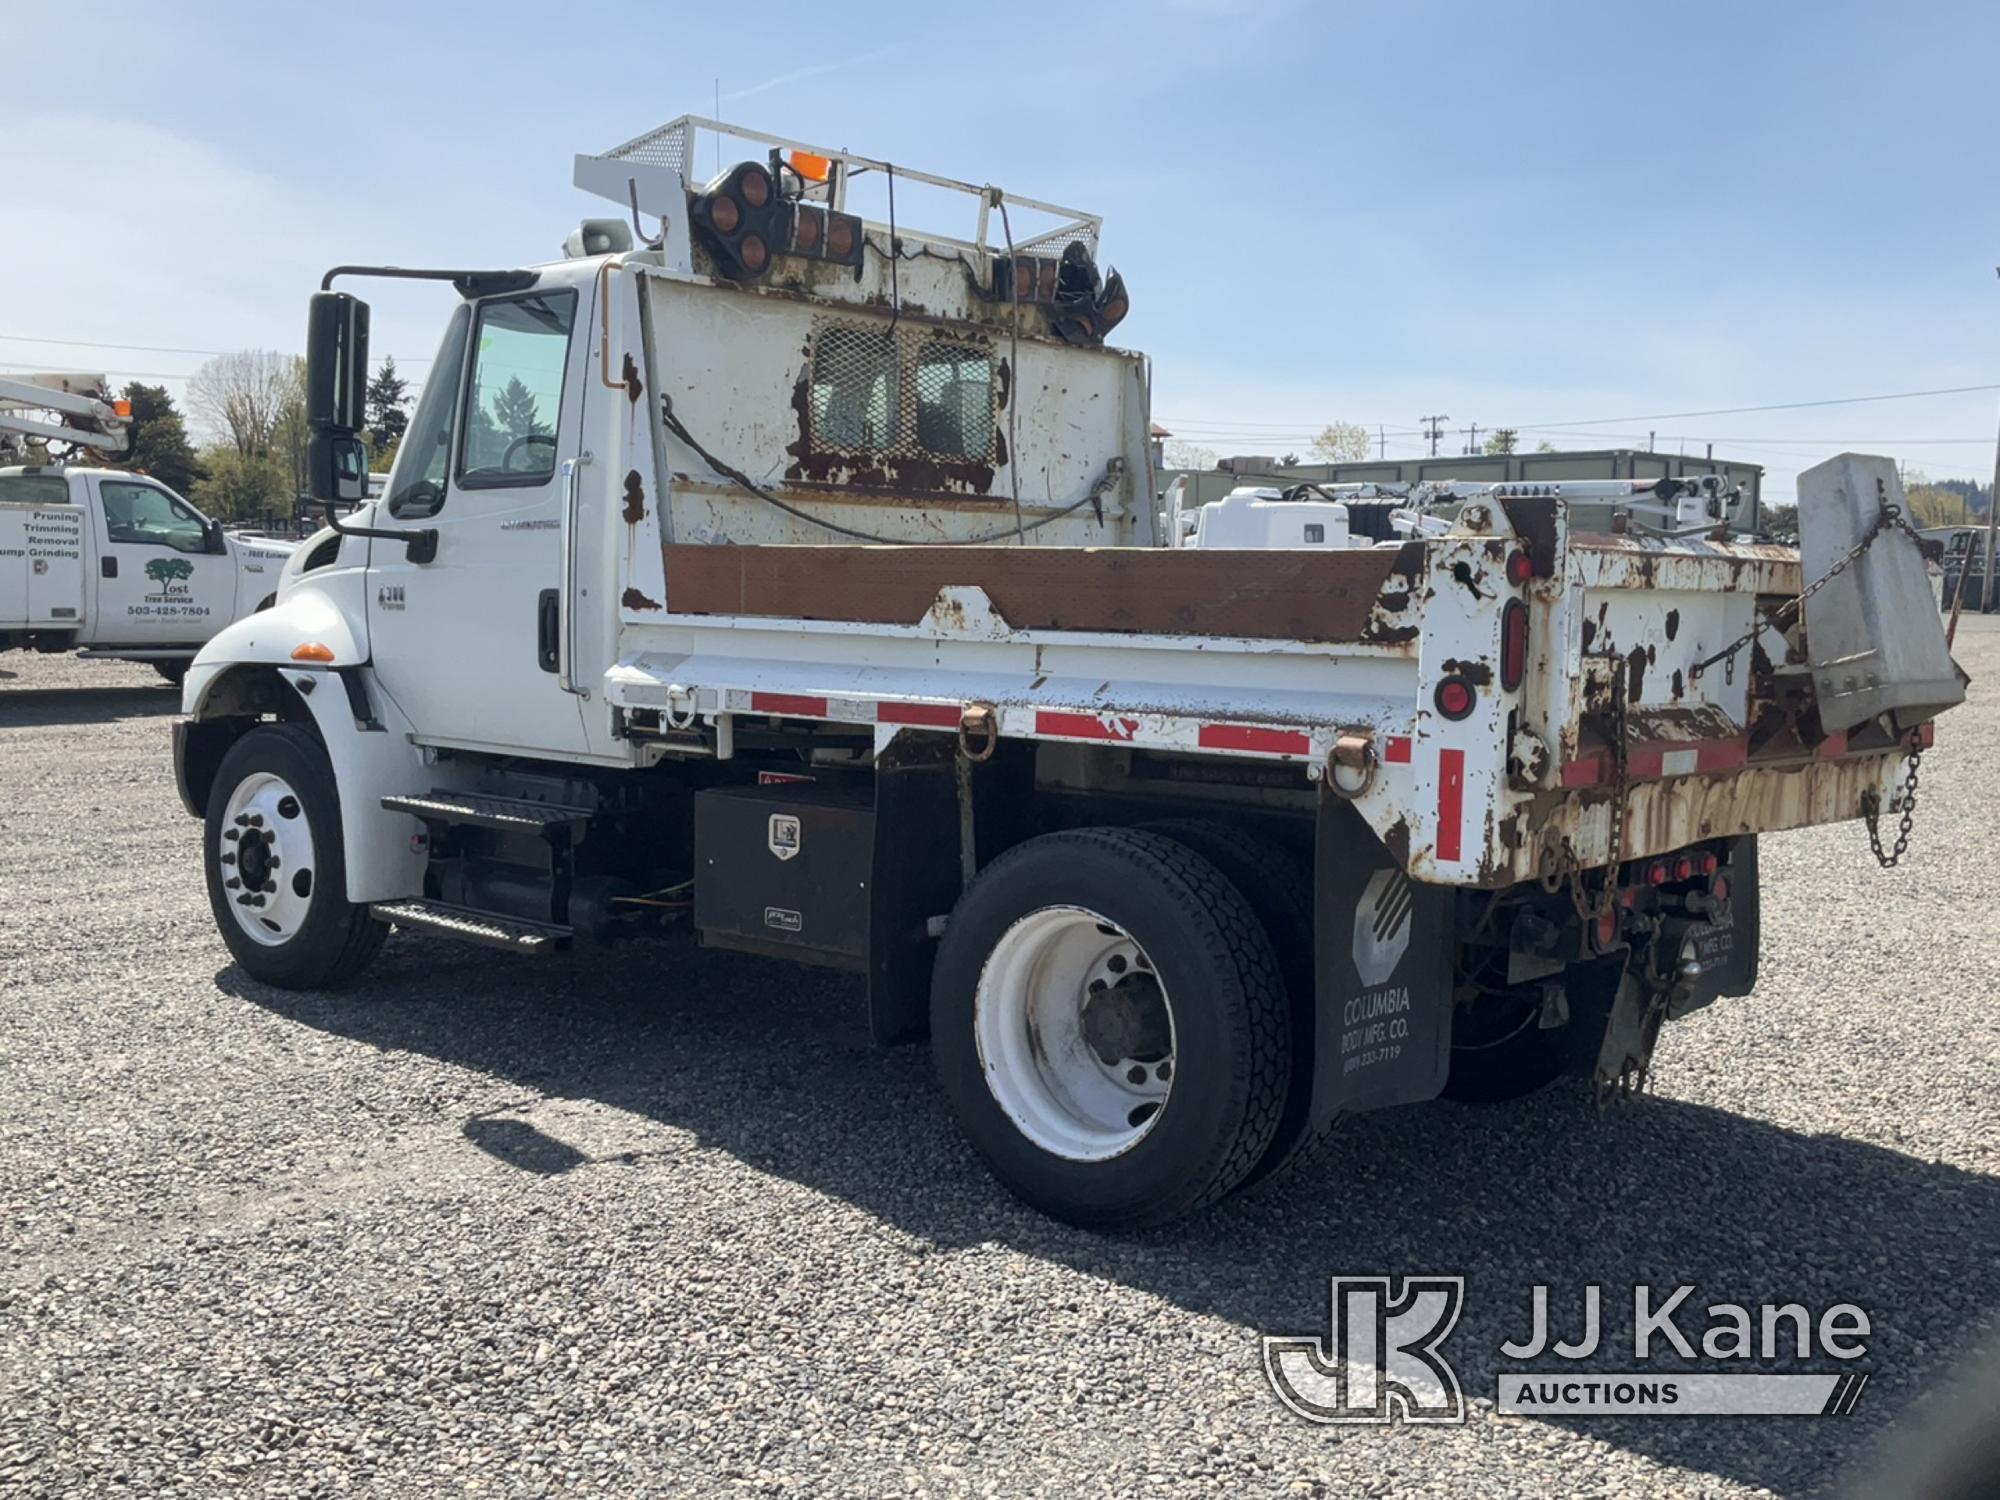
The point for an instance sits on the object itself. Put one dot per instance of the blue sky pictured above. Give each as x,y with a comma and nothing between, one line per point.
1530,214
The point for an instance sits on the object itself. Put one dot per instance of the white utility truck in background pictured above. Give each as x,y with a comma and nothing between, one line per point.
105,561
799,578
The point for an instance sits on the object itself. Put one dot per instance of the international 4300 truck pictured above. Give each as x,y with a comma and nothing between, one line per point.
799,577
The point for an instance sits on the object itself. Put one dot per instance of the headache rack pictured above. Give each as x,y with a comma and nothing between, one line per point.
679,146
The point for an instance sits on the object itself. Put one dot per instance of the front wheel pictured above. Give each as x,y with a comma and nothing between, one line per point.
1111,1025
275,864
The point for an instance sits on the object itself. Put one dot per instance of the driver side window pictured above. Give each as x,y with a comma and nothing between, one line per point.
513,402
153,518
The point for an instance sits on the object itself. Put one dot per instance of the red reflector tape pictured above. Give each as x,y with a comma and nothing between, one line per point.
1250,737
929,715
1832,747
1396,750
1583,772
1927,733
788,703
1084,726
1451,804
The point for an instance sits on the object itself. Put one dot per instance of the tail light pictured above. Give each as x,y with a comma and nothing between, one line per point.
1454,697
1520,568
1684,867
1513,643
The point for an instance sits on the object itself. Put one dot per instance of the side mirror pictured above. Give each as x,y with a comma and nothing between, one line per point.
337,466
215,541
336,397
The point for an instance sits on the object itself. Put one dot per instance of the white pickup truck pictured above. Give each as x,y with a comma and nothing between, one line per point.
800,580
115,564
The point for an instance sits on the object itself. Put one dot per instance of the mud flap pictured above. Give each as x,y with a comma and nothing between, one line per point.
1383,946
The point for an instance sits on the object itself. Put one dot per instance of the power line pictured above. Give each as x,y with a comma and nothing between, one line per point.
28,338
1730,411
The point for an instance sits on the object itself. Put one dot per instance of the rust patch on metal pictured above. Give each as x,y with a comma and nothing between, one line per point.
1397,840
1478,673
1635,674
1255,594
1673,623
634,599
1680,684
635,498
1003,383
1533,518
634,387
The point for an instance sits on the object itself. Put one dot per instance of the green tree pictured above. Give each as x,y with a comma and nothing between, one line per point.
1545,446
1504,440
388,394
516,412
291,433
1341,441
159,441
236,488
165,570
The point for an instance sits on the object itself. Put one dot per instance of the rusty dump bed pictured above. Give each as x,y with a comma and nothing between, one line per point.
1328,597
1500,702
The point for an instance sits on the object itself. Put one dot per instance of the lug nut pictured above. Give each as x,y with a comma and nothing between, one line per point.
256,820
272,861
256,900
231,883
243,820
232,834
243,900
229,859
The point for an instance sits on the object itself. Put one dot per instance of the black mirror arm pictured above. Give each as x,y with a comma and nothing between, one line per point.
419,546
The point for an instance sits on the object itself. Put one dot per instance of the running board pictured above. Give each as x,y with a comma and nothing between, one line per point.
441,919
512,814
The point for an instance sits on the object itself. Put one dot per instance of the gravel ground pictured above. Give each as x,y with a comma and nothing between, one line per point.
666,1222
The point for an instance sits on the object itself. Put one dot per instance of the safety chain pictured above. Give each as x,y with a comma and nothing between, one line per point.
1871,810
1887,516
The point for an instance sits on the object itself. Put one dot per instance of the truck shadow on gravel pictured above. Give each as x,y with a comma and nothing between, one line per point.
771,1065
40,707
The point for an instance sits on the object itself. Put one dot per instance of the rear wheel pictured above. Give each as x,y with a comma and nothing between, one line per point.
173,671
1277,881
1110,1024
275,864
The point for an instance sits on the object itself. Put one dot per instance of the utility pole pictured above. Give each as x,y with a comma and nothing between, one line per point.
1986,590
1381,441
1471,437
1434,429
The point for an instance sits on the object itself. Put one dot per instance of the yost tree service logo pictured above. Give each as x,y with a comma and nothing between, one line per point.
171,574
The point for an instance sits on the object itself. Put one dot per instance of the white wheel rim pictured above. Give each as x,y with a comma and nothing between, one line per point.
1075,1033
265,855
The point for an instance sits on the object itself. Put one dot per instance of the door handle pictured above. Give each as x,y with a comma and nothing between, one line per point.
107,567
566,629
548,625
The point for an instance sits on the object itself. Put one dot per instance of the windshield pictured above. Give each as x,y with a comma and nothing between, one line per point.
416,485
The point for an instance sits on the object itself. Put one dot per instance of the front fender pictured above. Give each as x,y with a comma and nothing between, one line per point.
329,611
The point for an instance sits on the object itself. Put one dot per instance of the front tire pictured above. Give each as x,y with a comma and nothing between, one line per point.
275,864
1111,1026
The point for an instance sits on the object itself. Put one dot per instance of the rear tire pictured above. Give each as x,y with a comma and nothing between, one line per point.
1277,881
273,829
174,671
1040,1048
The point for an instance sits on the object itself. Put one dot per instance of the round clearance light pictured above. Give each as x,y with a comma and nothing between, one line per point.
723,214
805,232
840,236
1607,930
1656,873
1684,867
753,252
1520,568
754,186
1455,697
1710,864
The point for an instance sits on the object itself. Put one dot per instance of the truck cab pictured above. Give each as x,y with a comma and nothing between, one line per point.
116,564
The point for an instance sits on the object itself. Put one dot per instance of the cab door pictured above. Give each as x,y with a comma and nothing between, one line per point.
164,577
464,643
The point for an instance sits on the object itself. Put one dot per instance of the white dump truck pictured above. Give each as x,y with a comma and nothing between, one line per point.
798,578
105,561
